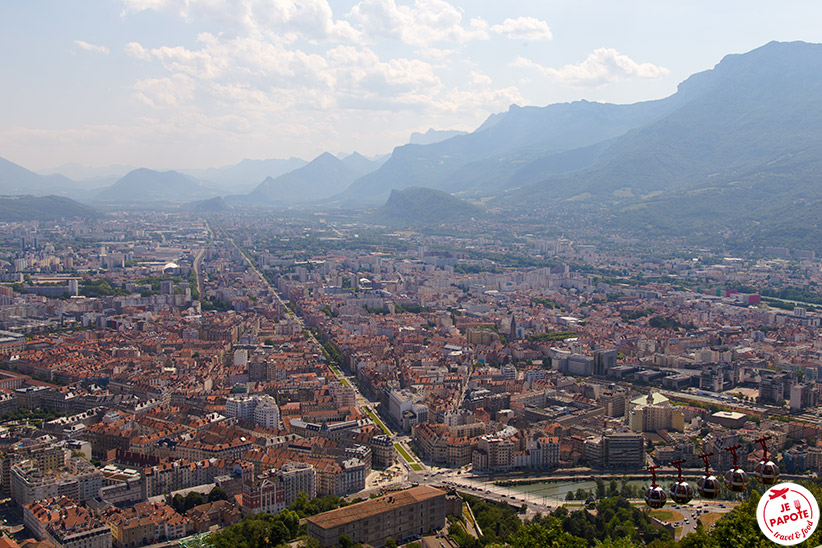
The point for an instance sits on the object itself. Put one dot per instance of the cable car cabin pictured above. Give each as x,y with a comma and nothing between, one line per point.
655,497
708,487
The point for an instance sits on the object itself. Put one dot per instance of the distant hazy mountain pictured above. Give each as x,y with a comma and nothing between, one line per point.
740,158
146,185
212,205
360,164
483,161
324,176
15,179
380,159
42,208
90,175
424,206
245,175
433,136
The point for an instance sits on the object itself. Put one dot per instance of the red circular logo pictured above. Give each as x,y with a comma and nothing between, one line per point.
787,513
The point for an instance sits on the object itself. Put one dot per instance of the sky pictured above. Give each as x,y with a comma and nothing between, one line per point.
168,84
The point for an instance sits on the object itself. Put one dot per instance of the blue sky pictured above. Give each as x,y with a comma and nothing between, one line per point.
202,83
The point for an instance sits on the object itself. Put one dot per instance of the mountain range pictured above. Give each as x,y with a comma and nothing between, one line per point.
750,109
737,148
245,175
482,161
325,176
15,179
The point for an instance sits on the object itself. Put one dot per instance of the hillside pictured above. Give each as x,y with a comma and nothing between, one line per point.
424,206
742,156
484,160
43,208
753,114
146,185
324,176
15,179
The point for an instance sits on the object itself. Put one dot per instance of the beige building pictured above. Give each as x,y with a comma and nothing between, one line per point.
653,413
145,523
65,524
400,515
43,451
79,480
438,444
382,451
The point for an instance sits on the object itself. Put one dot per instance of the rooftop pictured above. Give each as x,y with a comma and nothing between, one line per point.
374,507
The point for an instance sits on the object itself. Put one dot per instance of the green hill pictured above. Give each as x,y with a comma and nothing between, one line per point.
43,208
424,206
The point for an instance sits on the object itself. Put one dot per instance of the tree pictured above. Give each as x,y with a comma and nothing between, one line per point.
390,543
600,488
547,534
218,493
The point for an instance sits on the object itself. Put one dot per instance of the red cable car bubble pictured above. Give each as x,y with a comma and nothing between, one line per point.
681,492
736,479
654,495
708,485
766,471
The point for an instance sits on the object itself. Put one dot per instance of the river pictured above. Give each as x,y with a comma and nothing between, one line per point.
559,489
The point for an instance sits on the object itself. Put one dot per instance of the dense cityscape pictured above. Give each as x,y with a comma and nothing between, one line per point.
410,274
165,374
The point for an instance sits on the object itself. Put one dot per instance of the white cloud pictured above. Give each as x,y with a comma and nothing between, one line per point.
288,74
435,54
480,79
92,47
481,101
137,51
282,20
364,81
165,92
524,28
253,74
603,66
421,24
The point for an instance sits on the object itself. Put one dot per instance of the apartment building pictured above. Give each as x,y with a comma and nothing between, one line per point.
398,515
